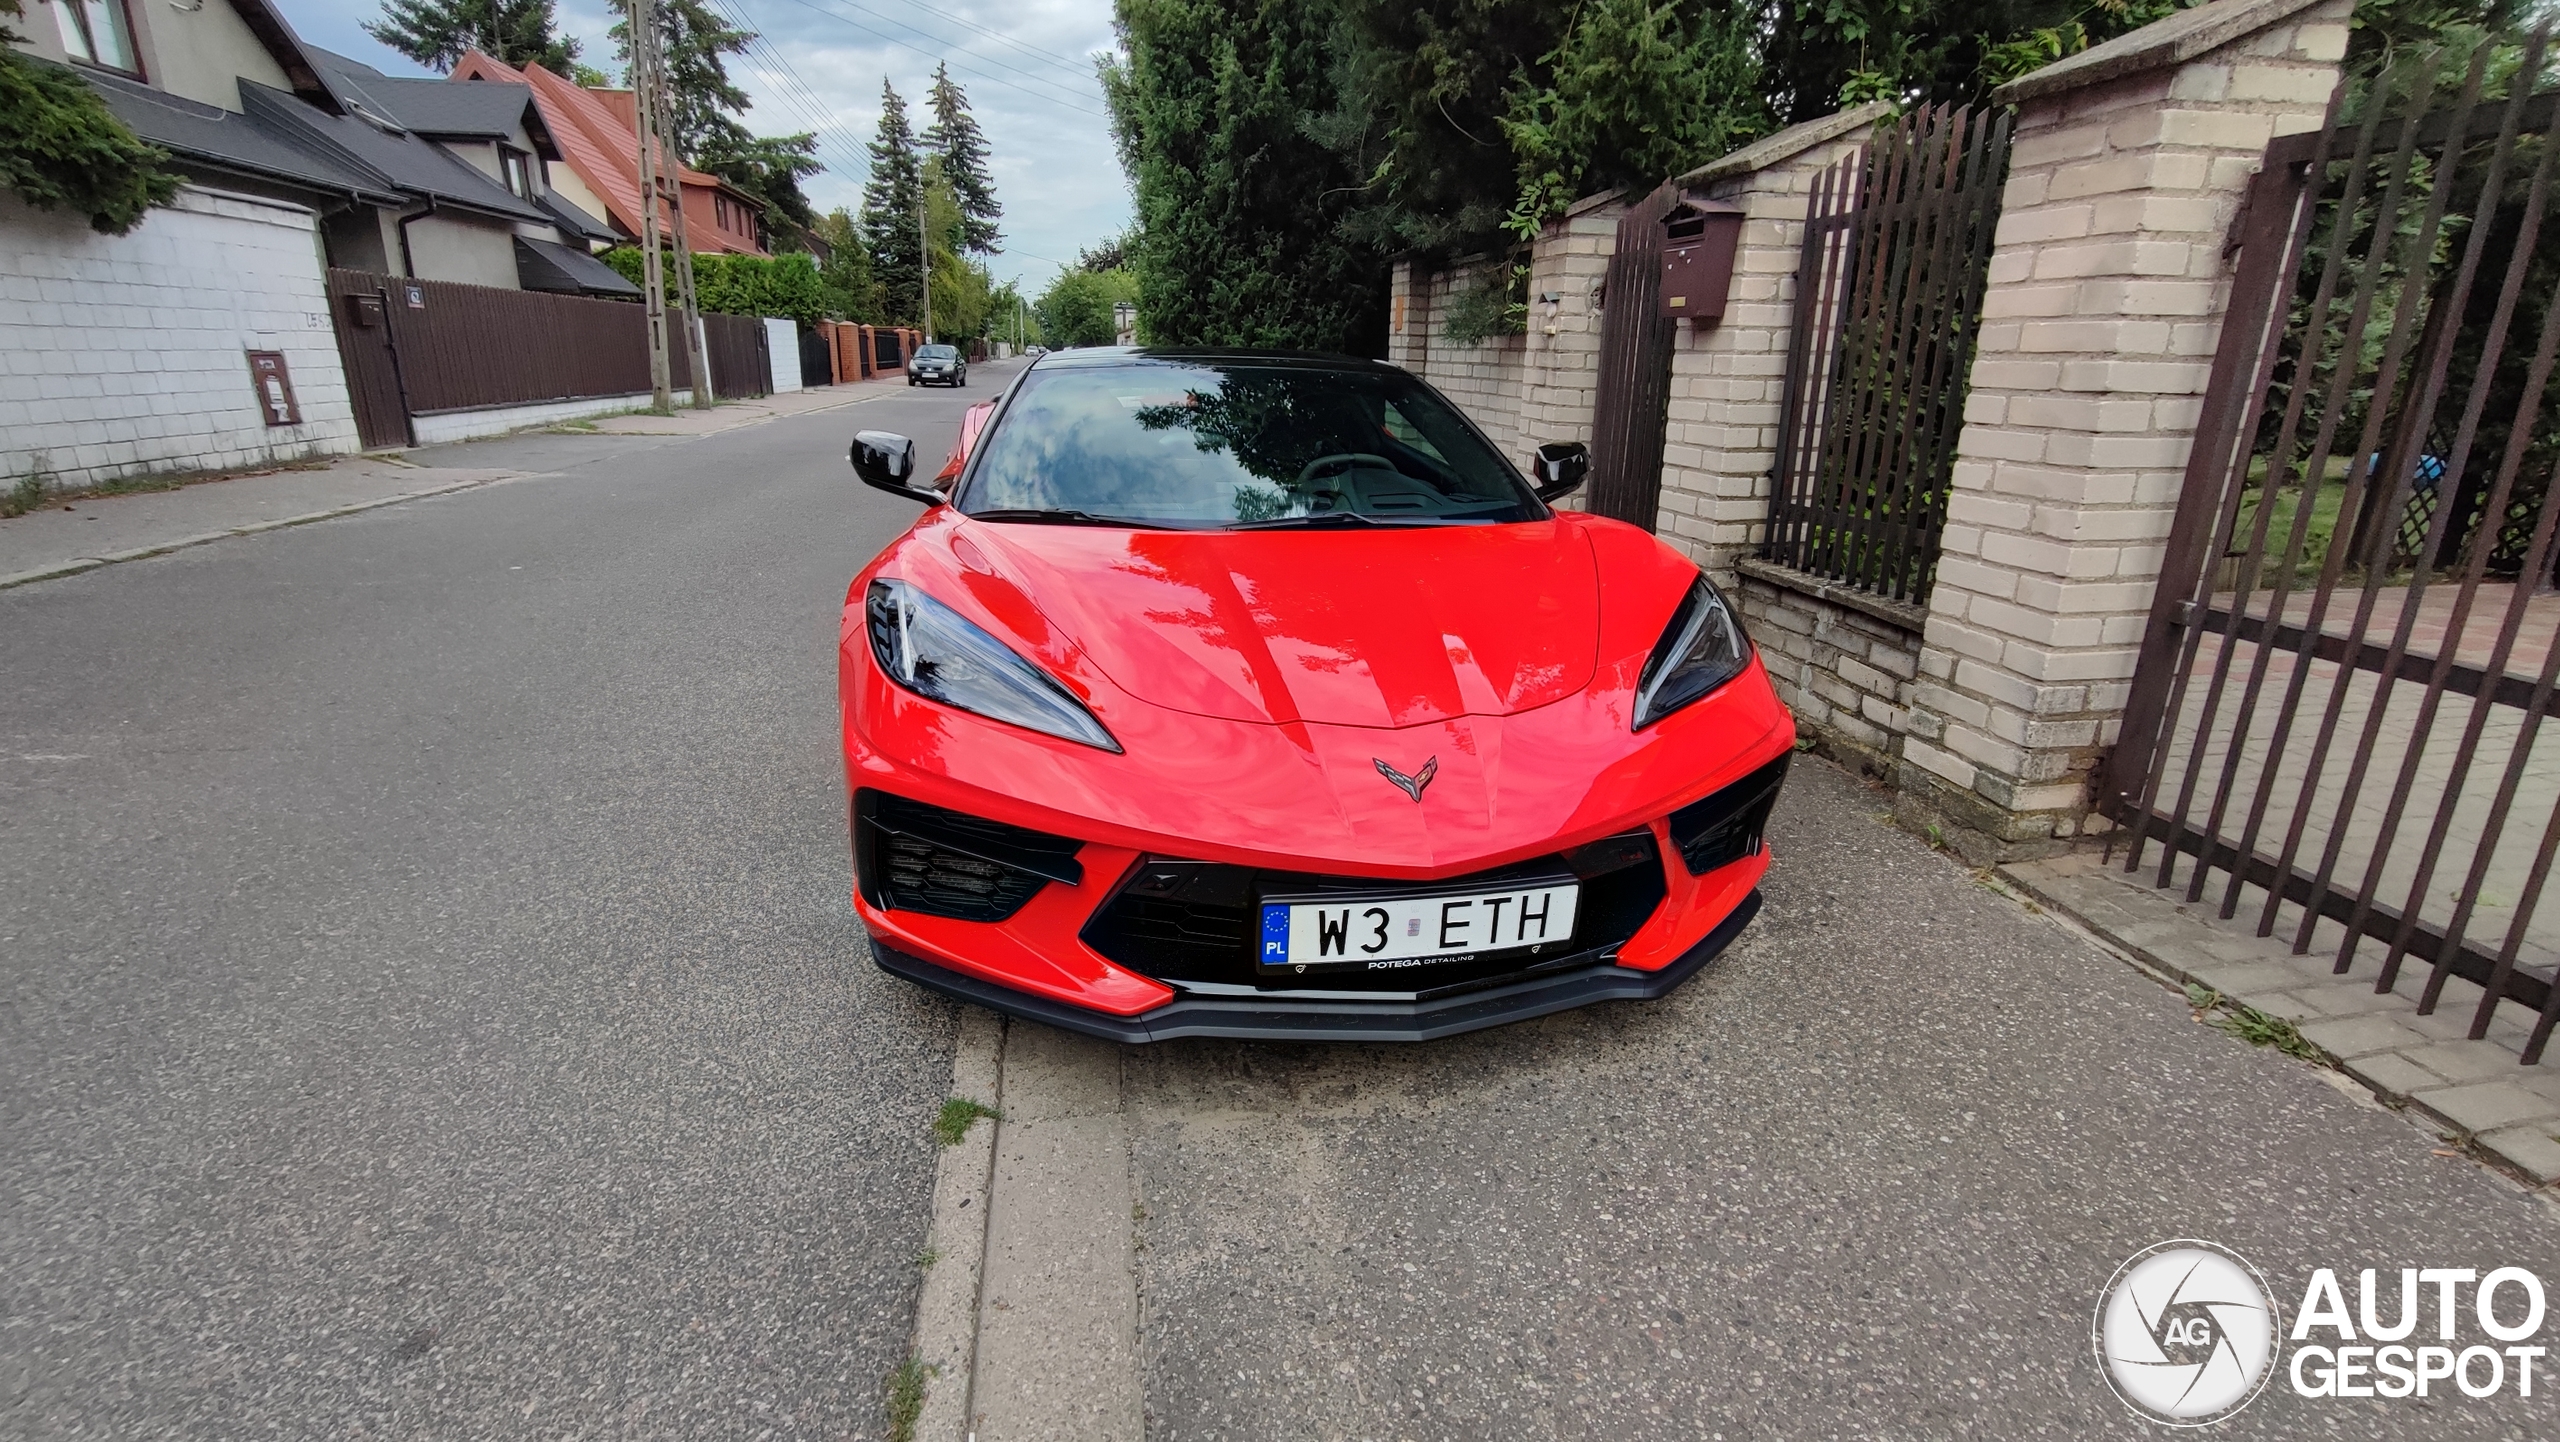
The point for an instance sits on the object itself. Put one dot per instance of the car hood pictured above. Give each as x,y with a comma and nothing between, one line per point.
1379,628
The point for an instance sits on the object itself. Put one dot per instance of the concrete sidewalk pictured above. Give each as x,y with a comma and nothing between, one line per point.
65,538
87,532
729,415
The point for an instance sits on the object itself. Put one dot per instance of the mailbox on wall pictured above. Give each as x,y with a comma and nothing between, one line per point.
1698,241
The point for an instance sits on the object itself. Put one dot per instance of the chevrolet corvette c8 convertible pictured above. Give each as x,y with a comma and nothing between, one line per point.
1249,694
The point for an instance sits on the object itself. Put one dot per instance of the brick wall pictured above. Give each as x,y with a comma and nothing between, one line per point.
1482,378
124,355
2108,285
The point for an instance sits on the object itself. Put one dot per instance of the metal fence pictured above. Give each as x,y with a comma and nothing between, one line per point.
1889,294
2341,695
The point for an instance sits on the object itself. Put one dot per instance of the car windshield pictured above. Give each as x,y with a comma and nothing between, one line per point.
1208,445
935,352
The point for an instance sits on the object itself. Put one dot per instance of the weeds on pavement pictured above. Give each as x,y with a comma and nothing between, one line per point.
2250,1024
24,496
906,1398
951,1127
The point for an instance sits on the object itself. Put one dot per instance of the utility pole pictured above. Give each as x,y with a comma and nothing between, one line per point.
697,340
653,285
924,263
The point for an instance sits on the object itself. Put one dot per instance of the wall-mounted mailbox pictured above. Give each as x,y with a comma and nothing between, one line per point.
1698,242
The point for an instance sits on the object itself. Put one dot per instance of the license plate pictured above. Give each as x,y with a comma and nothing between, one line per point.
1377,934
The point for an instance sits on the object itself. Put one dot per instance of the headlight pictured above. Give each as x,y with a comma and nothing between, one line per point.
935,652
1700,650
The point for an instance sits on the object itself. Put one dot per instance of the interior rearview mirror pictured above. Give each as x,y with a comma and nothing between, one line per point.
888,462
1560,467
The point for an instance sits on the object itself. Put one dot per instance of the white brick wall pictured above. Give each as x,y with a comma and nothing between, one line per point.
124,355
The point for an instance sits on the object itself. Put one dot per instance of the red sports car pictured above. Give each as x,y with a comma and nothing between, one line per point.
1240,694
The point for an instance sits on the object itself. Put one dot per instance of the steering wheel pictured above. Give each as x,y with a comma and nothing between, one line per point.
1340,462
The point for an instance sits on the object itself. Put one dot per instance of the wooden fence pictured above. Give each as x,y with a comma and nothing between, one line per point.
427,347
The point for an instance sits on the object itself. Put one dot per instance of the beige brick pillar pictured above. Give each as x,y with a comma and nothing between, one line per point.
2108,284
1409,316
1560,374
1720,437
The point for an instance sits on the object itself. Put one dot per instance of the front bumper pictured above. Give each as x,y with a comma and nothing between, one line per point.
1274,1017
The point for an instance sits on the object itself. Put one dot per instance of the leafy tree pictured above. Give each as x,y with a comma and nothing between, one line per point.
961,286
1636,92
1010,317
780,285
770,168
845,274
889,200
1076,309
954,137
61,148
1242,209
588,77
436,32
1112,254
694,44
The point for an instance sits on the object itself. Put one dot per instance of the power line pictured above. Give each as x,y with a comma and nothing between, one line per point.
1081,69
929,55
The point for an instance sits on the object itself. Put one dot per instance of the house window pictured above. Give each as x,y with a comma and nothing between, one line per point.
720,211
98,32
518,172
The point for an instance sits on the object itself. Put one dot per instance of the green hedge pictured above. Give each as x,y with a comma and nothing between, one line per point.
781,285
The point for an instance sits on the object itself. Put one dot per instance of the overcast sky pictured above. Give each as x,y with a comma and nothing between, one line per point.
1027,65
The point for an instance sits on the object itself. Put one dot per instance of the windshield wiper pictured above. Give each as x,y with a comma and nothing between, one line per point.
1335,518
1035,516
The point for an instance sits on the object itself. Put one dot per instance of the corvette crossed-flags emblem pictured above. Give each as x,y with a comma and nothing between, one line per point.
1409,785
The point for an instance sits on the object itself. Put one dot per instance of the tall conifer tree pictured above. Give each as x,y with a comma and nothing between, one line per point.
436,32
954,136
889,201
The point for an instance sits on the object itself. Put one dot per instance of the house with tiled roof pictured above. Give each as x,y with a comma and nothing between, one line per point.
599,144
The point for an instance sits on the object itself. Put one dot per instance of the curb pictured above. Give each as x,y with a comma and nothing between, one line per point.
946,1338
91,563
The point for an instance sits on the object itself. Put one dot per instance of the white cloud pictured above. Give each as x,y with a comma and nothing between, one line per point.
1026,64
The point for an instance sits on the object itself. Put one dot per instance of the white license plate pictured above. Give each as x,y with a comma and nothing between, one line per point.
1375,934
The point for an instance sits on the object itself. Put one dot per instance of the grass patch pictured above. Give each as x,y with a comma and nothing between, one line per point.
951,1125
2250,1024
906,1398
926,1258
24,496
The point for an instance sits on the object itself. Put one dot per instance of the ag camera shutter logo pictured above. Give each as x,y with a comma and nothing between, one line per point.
2186,1333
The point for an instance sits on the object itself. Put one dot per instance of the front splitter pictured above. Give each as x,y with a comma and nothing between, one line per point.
1278,1017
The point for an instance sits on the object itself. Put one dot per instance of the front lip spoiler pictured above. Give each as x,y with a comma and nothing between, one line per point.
1279,1017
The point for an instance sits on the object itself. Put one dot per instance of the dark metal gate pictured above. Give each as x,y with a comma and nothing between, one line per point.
2342,690
1888,297
1635,367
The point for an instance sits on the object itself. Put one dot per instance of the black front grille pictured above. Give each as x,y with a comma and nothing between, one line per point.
1725,827
912,857
1196,920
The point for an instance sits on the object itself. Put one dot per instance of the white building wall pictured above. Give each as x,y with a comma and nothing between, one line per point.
124,355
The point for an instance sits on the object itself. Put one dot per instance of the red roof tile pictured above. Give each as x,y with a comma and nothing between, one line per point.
598,140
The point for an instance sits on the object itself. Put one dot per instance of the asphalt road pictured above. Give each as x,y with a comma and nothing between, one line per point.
1865,1177
433,1006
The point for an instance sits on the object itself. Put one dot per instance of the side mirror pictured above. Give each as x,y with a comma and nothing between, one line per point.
1560,467
888,462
